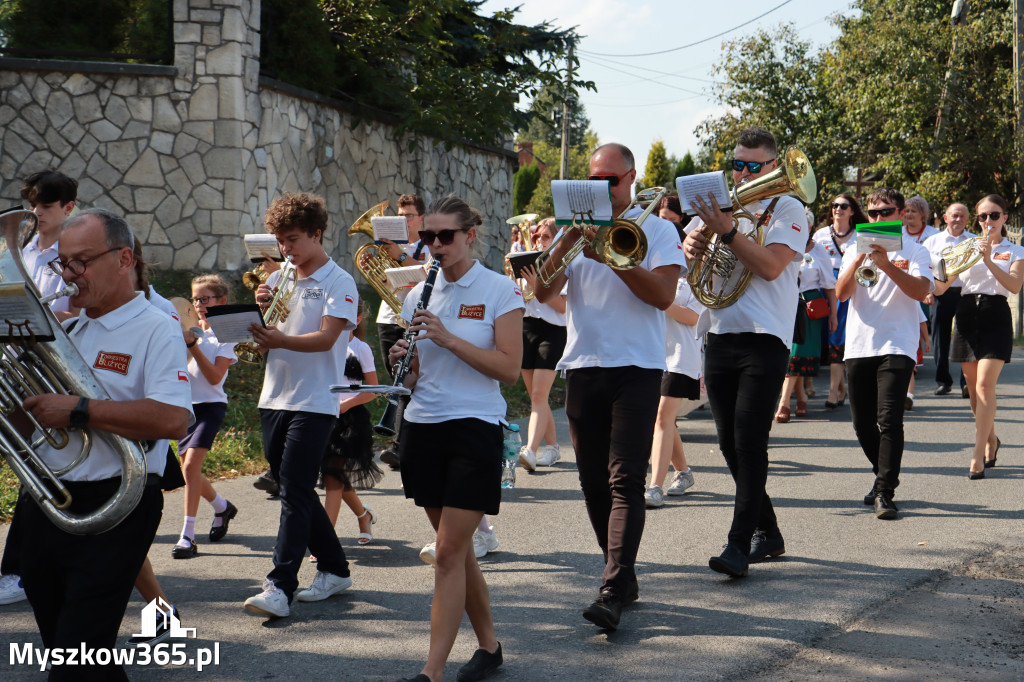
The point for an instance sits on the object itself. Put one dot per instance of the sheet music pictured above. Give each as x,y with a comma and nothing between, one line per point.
587,201
408,276
392,227
21,314
888,235
703,184
231,322
370,388
258,244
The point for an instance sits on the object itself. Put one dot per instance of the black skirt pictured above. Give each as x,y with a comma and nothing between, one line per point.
349,456
982,329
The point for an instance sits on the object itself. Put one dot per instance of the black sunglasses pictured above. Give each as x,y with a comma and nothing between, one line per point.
994,215
613,180
752,166
446,237
884,212
841,207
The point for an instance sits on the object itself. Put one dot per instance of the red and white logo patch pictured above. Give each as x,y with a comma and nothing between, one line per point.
115,362
902,264
182,376
796,227
472,312
517,291
348,299
1002,256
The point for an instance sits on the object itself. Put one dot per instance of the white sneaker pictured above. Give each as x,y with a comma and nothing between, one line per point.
654,498
484,543
11,590
270,602
681,482
527,458
324,585
429,554
549,456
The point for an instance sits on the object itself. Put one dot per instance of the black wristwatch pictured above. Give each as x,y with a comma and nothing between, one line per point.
728,236
80,415
401,259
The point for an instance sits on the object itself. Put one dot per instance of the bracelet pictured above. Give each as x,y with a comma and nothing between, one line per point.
194,342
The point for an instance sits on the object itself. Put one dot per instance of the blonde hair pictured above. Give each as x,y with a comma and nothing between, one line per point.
214,283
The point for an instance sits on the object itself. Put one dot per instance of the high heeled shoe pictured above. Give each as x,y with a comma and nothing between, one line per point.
975,475
801,409
366,538
989,463
782,416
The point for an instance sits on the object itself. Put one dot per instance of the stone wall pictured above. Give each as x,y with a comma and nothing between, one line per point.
193,153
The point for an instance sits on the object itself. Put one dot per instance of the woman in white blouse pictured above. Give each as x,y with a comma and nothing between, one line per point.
983,331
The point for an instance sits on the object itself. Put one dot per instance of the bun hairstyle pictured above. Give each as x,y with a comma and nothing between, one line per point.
998,201
466,216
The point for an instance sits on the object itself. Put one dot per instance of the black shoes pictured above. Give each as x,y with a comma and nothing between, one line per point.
218,532
179,552
943,389
989,463
482,665
390,457
733,561
869,499
884,507
763,547
976,475
605,611
267,484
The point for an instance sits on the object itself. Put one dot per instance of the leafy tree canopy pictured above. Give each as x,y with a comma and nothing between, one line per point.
658,172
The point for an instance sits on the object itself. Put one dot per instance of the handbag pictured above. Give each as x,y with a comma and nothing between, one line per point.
817,309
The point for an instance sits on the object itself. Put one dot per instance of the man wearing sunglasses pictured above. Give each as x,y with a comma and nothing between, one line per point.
613,360
946,304
748,346
882,337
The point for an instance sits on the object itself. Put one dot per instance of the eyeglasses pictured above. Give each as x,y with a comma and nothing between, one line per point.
446,237
409,215
613,180
884,212
752,166
203,299
839,206
994,215
77,266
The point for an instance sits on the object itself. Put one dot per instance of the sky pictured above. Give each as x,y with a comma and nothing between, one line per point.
643,99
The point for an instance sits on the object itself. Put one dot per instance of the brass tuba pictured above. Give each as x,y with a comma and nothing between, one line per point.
372,261
275,314
521,223
46,361
793,177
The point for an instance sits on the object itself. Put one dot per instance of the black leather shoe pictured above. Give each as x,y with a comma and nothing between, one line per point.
869,499
267,484
884,507
944,389
763,547
605,611
989,463
419,678
218,532
390,457
976,475
179,552
632,592
481,666
733,561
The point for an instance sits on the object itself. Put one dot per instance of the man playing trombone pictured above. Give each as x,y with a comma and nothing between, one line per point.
614,358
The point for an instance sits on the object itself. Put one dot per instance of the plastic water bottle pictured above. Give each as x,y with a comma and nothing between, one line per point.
510,456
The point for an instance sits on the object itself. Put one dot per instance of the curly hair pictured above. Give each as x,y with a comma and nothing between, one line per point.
305,211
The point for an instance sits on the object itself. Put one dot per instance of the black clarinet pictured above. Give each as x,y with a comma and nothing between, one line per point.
386,426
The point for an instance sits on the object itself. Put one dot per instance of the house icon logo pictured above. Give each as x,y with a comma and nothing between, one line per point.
158,609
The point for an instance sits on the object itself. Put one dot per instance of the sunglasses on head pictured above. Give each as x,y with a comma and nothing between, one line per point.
752,166
446,237
613,180
884,212
841,207
994,215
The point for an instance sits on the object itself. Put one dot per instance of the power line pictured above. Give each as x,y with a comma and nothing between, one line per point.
699,42
602,62
654,104
651,80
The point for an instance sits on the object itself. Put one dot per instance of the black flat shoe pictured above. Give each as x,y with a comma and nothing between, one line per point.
606,610
481,666
179,552
830,405
733,562
218,532
763,547
989,463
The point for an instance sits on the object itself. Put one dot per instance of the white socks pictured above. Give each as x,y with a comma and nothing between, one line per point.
188,531
219,504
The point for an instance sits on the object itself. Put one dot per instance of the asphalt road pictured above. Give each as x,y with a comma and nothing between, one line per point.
936,594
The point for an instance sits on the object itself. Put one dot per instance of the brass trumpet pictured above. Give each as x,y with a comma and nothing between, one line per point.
255,277
276,313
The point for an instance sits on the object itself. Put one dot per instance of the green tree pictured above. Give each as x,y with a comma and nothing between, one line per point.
524,182
579,167
546,122
658,172
309,61
685,166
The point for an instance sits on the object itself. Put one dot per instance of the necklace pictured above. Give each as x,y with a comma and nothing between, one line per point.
840,236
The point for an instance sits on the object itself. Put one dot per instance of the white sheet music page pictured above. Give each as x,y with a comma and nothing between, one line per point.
258,244
703,184
408,276
582,201
231,322
393,227
21,314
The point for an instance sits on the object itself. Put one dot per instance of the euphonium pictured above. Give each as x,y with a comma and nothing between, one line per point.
621,245
46,361
275,314
793,177
372,261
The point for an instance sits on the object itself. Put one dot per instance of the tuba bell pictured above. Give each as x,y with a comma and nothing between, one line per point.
793,177
36,361
372,261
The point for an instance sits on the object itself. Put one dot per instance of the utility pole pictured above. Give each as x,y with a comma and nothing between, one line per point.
568,101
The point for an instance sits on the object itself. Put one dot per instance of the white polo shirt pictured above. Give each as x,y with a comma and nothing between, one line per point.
37,262
447,387
766,307
816,270
682,346
882,320
608,326
544,311
202,390
978,279
134,352
386,315
360,350
940,241
921,237
824,238
300,382
163,304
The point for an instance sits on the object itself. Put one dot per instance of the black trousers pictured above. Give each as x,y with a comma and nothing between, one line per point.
611,415
79,585
942,329
388,335
744,374
295,443
10,564
878,387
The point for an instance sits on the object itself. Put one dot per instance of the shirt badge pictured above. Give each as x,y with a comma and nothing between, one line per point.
313,293
902,264
114,362
472,312
182,376
1002,256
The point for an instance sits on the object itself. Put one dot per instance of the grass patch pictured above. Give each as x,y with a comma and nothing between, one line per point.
238,449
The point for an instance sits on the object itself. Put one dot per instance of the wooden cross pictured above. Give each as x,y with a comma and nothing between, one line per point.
859,184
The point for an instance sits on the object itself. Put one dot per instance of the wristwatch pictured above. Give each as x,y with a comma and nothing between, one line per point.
80,415
401,259
728,236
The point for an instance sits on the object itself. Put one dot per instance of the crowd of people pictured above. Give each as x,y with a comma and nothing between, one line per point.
460,335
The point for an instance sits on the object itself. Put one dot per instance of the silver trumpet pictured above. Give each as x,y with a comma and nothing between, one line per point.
867,274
